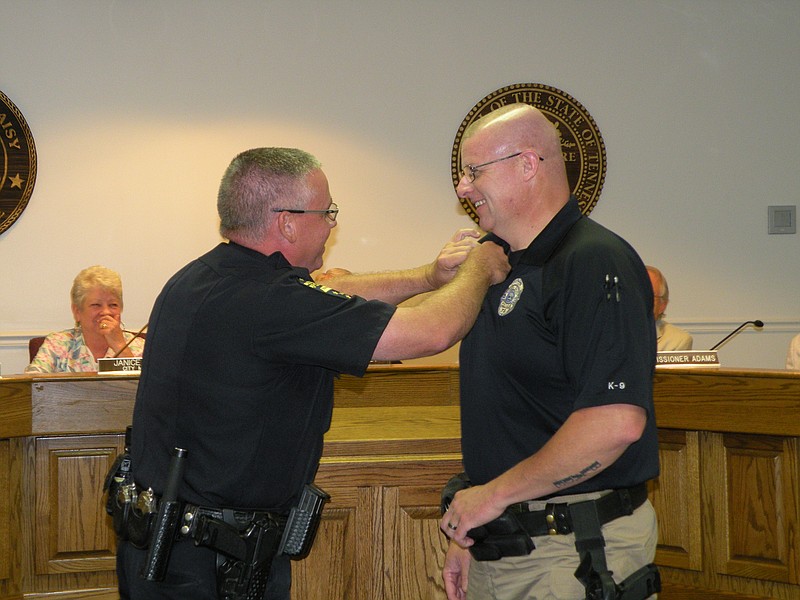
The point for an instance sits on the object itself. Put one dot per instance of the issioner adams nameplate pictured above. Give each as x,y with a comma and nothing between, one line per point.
17,163
581,143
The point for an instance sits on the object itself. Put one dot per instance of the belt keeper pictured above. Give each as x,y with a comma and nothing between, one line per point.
626,501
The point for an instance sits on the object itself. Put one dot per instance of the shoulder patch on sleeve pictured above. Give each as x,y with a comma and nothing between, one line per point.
322,288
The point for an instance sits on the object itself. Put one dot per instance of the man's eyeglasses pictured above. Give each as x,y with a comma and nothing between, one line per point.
470,171
330,213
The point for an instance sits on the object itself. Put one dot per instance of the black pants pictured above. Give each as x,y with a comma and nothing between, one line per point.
192,573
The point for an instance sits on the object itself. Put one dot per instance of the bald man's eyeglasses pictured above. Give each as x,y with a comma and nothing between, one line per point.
471,171
330,213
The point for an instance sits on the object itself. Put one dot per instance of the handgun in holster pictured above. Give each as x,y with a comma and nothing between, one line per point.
593,571
601,586
244,558
504,536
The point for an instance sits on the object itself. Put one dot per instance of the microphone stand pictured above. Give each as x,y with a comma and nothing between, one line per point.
757,324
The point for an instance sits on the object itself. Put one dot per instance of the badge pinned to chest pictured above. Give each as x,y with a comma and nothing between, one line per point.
510,297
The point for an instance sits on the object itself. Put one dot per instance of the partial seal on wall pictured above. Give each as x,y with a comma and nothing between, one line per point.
581,143
17,163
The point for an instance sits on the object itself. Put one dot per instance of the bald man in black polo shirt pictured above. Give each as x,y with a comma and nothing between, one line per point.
556,374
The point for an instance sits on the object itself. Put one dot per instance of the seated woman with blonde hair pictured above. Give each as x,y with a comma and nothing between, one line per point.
97,308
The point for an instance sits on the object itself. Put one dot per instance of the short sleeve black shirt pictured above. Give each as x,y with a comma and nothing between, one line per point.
571,327
238,369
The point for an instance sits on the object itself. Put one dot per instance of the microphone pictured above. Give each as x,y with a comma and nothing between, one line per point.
757,324
136,335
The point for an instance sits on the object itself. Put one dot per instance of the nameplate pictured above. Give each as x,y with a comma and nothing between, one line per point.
125,364
687,358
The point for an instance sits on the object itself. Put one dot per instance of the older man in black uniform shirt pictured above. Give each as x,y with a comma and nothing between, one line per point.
243,348
556,376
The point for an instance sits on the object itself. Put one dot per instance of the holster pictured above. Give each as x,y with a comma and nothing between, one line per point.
593,571
504,536
245,549
499,538
455,484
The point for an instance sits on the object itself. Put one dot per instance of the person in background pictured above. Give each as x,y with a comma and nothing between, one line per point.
556,379
242,352
669,336
96,297
793,355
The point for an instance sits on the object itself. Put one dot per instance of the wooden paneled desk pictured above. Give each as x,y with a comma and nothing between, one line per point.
727,498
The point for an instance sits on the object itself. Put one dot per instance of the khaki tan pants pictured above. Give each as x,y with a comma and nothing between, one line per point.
548,573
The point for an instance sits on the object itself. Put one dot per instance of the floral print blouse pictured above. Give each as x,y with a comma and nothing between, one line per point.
66,352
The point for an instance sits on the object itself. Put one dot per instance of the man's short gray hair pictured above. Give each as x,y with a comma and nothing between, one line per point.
257,181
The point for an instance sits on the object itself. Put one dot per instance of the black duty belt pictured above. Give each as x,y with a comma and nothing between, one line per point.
555,518
240,519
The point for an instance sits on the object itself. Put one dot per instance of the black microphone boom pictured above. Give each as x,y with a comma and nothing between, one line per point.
757,324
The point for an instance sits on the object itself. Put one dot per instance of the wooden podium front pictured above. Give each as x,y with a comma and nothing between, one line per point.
727,498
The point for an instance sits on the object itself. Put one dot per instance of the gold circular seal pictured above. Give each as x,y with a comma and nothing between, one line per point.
581,143
17,163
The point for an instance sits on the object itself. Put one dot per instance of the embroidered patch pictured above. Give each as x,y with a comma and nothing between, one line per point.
510,297
322,288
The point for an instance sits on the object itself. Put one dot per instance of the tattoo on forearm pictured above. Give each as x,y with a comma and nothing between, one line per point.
571,479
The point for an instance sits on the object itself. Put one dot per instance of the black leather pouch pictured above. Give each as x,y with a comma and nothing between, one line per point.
502,537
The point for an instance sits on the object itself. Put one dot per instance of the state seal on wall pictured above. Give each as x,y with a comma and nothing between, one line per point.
581,143
17,163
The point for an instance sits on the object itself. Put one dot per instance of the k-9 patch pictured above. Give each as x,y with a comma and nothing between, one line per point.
510,297
322,288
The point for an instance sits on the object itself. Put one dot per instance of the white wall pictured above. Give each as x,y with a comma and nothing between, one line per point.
137,108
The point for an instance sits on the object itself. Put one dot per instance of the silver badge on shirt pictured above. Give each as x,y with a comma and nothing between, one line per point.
510,297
